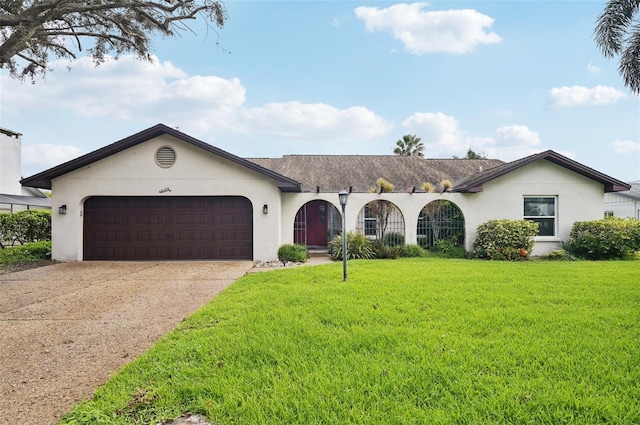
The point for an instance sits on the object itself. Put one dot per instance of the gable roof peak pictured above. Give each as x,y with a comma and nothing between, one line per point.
43,179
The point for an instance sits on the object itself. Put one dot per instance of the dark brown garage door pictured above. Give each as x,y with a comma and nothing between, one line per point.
168,228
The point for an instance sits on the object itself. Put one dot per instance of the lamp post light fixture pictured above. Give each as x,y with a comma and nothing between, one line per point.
342,196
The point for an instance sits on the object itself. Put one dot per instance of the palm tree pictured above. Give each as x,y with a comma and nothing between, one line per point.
410,146
618,33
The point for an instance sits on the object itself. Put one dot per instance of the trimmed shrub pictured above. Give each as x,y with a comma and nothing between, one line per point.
604,239
33,251
295,253
505,239
414,251
393,239
358,247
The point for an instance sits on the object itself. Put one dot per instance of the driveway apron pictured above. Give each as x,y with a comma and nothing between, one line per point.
65,328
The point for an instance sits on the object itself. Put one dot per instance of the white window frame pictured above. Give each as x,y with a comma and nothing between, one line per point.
535,218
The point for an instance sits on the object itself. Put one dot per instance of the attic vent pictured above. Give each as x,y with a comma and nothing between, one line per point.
165,157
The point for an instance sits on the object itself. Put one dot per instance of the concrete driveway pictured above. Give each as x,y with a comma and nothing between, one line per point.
65,328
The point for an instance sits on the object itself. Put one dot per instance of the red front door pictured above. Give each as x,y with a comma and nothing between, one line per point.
312,224
317,223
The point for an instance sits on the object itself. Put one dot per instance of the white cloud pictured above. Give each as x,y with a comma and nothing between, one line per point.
443,137
592,69
304,122
568,97
44,156
625,146
449,31
439,133
513,142
205,106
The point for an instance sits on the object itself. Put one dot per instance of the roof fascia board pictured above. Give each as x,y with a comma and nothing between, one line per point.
43,179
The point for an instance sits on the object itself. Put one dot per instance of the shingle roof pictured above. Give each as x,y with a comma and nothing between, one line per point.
332,173
634,192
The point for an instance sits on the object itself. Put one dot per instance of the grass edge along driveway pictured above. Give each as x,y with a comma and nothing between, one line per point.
404,341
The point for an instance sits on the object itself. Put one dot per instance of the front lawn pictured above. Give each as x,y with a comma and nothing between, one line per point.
411,341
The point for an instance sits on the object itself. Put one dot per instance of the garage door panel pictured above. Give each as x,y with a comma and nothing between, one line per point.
168,228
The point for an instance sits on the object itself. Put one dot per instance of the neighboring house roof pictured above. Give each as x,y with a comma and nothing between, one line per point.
332,173
474,183
633,193
35,201
43,179
10,133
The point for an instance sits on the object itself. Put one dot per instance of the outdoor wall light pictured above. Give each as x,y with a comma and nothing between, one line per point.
62,210
342,197
265,209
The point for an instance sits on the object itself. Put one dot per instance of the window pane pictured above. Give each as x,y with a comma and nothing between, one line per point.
546,226
539,207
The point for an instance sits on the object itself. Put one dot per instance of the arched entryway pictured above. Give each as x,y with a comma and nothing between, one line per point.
440,220
316,223
383,221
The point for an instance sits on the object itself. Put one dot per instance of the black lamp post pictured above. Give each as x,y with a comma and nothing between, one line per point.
342,196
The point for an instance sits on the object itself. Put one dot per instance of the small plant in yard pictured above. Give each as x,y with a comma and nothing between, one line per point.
415,251
295,253
393,239
448,249
505,239
383,251
558,255
358,247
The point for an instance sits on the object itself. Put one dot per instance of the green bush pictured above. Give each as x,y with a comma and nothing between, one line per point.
558,255
414,251
24,227
448,249
358,247
604,239
505,239
383,251
393,239
33,251
295,253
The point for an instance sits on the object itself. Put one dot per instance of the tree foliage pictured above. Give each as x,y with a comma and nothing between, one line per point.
409,145
617,32
24,227
33,32
472,155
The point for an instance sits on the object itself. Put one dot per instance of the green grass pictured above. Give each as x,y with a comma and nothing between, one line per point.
411,341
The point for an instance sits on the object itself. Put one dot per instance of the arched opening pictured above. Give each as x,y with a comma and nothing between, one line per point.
382,221
316,223
440,220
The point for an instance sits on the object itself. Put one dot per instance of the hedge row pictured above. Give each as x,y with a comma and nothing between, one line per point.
605,239
24,226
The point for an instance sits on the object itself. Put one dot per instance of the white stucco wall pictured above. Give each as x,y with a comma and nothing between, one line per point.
134,172
578,199
10,162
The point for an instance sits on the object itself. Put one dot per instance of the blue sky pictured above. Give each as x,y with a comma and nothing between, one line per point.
504,78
